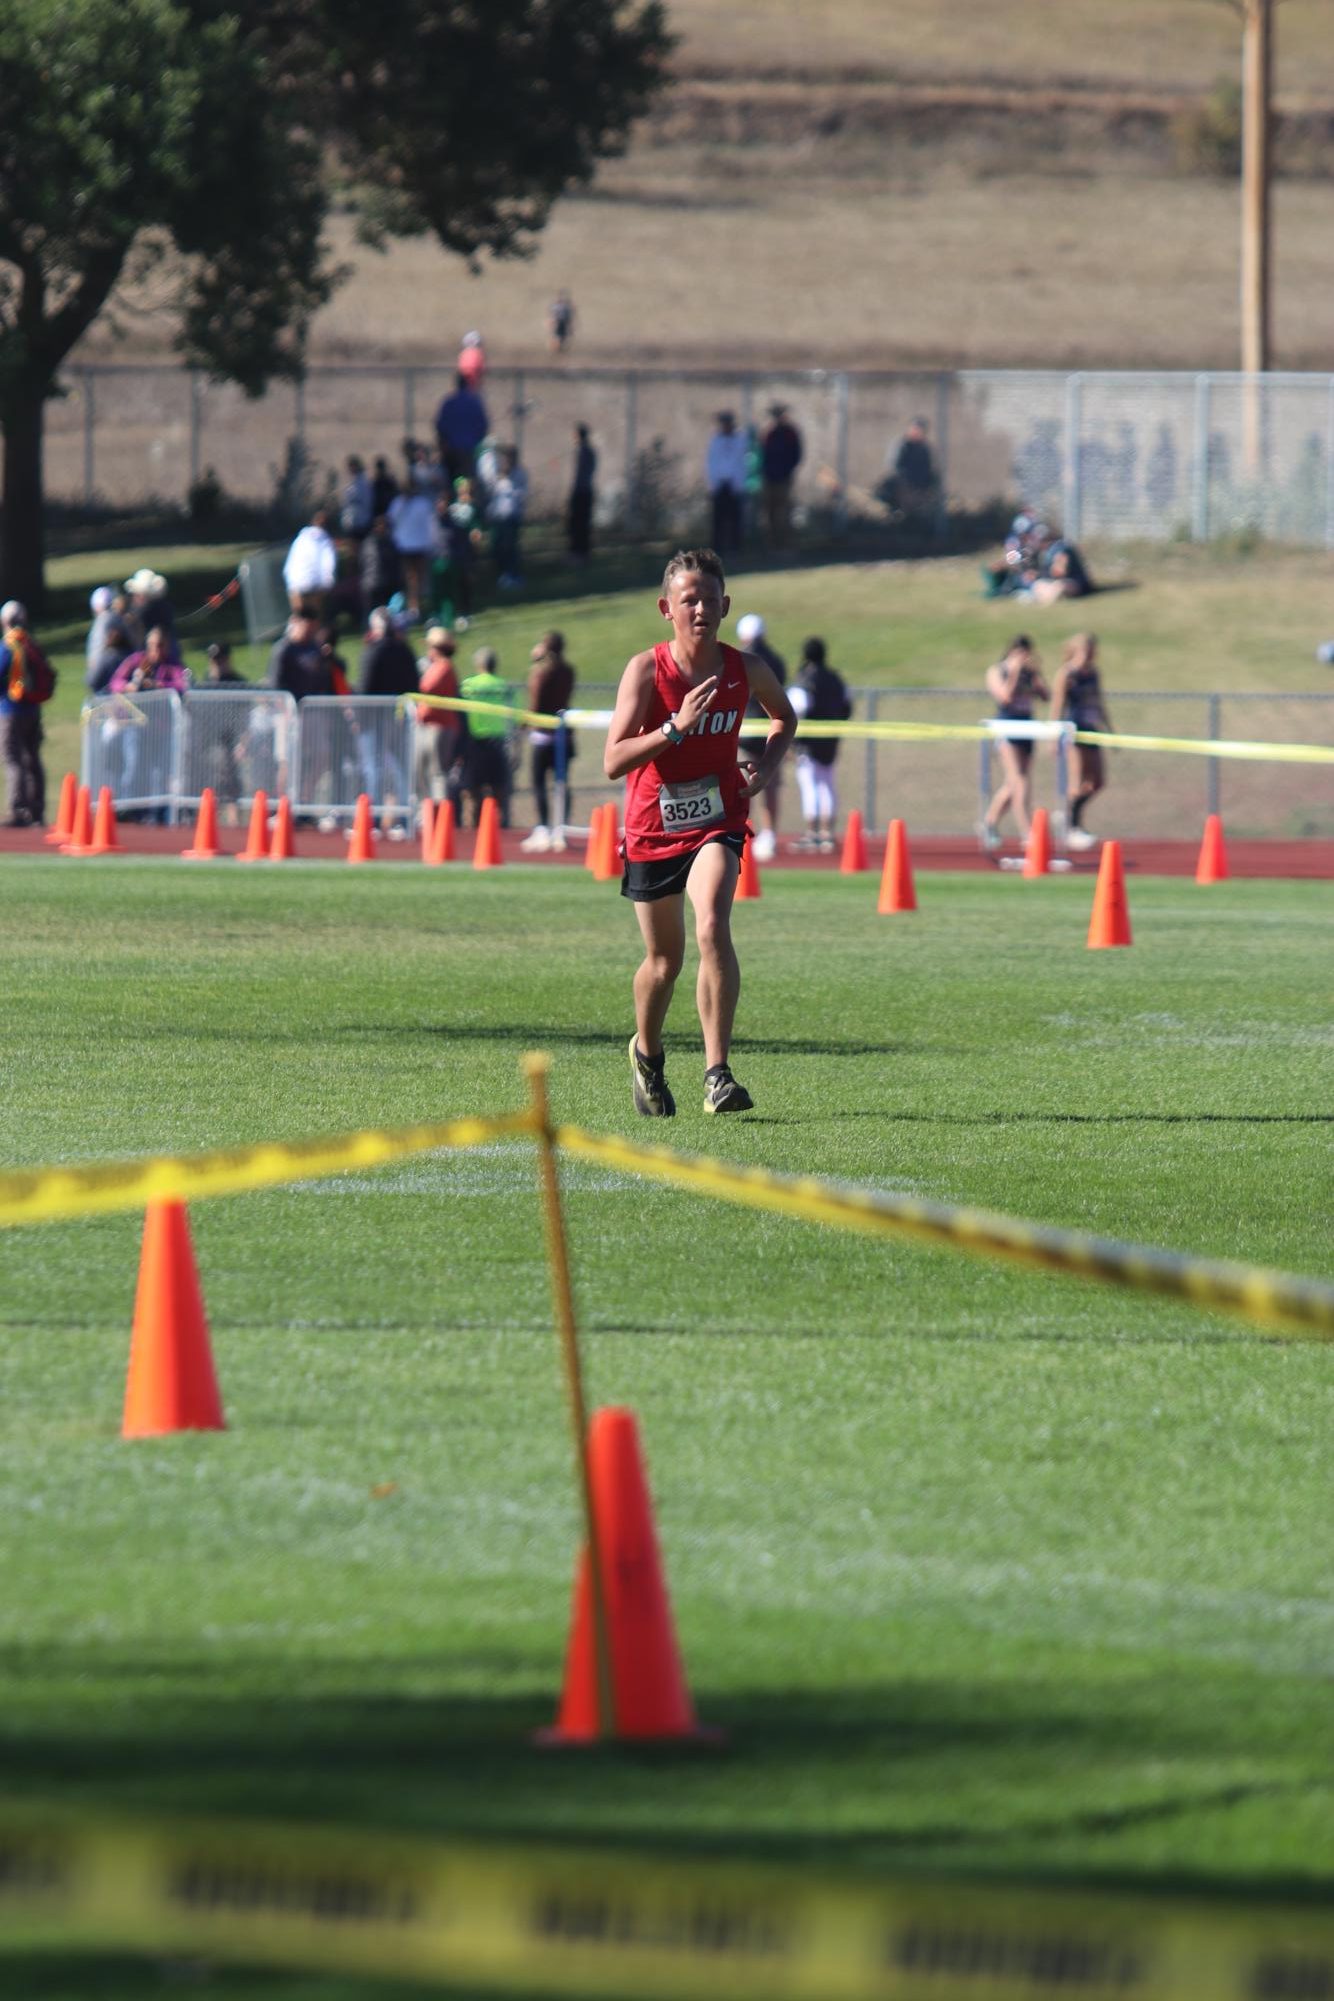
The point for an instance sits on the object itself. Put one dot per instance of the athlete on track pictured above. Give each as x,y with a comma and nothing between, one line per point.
674,738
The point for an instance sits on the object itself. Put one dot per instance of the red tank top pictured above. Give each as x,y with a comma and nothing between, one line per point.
690,790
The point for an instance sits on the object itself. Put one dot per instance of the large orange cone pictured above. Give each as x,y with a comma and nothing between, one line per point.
256,848
1037,855
64,827
171,1384
282,848
606,863
427,812
1110,923
748,882
648,1682
442,835
361,848
896,884
1212,865
853,859
104,840
204,847
594,839
486,849
81,833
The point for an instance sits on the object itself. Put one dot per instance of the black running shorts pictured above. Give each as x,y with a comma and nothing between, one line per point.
649,882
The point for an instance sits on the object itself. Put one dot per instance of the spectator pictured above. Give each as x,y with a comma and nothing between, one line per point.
388,668
912,485
461,423
150,668
441,733
581,495
226,741
1059,572
1077,697
487,772
1015,682
750,638
560,322
509,499
780,455
379,570
383,488
115,646
26,682
297,664
1018,566
311,566
550,690
149,607
458,538
472,360
725,469
358,508
102,605
388,665
412,525
819,694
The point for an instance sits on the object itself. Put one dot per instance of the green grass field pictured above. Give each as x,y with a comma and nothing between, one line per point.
987,1574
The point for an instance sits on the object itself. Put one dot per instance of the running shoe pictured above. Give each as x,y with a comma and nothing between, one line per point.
722,1093
1081,839
653,1099
988,837
765,845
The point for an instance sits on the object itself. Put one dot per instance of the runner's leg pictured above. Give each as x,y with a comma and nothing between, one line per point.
711,885
663,925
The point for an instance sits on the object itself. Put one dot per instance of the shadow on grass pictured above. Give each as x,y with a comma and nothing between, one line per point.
550,1036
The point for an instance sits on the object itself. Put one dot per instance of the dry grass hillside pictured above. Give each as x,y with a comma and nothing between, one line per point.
877,184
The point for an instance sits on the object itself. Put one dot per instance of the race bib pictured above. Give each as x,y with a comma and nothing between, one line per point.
697,804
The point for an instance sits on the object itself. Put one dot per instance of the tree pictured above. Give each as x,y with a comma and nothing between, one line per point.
132,127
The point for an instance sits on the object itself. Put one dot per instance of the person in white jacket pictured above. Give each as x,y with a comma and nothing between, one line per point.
311,566
725,470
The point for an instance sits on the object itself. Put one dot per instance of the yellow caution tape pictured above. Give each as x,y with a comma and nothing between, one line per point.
46,1194
563,1922
1269,1299
1282,753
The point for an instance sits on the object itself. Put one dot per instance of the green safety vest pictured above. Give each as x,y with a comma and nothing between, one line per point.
487,688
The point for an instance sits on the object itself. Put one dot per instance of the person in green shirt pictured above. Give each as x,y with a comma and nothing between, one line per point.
488,771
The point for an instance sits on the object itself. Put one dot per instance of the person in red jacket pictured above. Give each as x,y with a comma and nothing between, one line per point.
674,738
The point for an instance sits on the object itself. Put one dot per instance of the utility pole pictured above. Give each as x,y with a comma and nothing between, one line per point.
1256,85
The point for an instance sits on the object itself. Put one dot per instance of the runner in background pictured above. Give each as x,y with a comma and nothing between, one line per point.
1077,698
1014,684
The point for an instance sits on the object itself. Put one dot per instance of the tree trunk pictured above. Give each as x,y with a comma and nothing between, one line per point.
23,527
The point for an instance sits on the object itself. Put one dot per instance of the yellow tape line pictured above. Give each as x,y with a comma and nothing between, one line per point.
565,1922
46,1194
1268,1299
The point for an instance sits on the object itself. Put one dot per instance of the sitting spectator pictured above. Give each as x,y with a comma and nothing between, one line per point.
311,565
461,423
1018,565
358,501
441,733
115,648
505,511
379,570
911,484
1060,573
472,359
148,608
102,605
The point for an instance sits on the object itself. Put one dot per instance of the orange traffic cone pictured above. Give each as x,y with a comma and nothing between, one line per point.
283,847
748,882
1037,855
1110,923
64,827
648,1684
442,835
257,840
204,847
606,865
81,833
486,849
361,848
427,827
896,884
594,837
1212,865
853,859
104,840
171,1384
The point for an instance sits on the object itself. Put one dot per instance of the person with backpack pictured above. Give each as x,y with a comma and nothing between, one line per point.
27,680
819,695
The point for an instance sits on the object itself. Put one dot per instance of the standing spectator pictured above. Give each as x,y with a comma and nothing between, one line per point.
912,485
441,733
102,605
461,423
472,360
1014,683
458,538
508,502
383,488
311,566
297,664
560,322
150,607
581,495
751,639
819,695
151,670
116,645
412,525
488,773
725,469
379,569
26,681
780,455
550,690
358,501
225,745
388,667
1077,698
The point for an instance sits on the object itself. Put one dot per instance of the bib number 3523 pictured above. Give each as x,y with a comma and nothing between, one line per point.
694,805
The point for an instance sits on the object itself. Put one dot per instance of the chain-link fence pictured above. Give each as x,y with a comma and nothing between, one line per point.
350,745
134,744
1128,455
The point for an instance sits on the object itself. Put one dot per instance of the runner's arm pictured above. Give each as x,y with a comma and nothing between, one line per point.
628,746
771,695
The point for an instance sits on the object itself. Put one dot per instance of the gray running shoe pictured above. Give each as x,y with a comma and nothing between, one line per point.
722,1093
653,1100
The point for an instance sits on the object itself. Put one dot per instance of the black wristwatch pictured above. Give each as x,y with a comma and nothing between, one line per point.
671,732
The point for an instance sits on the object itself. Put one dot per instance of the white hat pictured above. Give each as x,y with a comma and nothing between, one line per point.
472,338
102,599
13,613
146,584
750,628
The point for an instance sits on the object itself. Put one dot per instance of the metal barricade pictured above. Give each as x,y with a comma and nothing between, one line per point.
238,740
348,744
132,743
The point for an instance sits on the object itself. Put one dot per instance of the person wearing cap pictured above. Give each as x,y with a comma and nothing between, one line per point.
102,606
725,470
150,608
780,455
488,772
472,359
750,637
21,698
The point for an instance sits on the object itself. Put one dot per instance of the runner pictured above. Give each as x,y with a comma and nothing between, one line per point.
674,738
